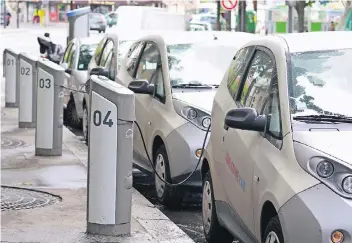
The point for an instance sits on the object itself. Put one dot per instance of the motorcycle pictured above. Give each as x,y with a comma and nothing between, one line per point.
49,50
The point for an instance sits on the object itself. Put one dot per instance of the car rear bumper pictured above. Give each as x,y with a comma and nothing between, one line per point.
312,216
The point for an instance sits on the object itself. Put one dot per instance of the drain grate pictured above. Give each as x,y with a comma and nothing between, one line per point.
10,143
13,198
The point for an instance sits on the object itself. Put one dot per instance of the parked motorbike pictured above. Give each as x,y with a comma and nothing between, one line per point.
53,52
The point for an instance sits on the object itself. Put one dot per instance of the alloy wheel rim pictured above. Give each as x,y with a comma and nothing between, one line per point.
85,124
272,238
207,206
72,114
160,169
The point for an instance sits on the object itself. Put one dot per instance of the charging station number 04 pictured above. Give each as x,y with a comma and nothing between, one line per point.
98,121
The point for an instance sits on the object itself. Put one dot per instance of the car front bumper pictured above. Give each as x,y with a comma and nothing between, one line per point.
182,144
312,215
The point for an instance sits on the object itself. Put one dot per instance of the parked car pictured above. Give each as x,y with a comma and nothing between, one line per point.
76,58
111,18
278,165
182,71
200,26
97,22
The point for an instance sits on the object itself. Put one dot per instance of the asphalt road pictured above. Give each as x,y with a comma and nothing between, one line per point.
188,217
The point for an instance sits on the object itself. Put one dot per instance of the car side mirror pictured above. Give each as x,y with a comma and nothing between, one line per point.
141,87
68,71
245,119
98,71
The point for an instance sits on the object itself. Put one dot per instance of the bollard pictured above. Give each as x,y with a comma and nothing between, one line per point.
49,120
11,77
28,90
110,153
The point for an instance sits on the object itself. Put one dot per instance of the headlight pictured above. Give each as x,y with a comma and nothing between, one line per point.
196,116
325,169
347,184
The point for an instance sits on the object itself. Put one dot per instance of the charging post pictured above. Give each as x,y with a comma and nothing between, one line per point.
110,153
11,78
28,87
49,120
78,23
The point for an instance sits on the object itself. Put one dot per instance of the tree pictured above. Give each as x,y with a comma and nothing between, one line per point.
300,6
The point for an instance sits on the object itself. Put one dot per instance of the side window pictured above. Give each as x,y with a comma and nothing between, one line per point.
147,66
106,53
67,52
237,70
258,79
98,51
71,57
132,57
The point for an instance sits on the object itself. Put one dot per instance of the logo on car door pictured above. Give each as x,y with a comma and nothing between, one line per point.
235,171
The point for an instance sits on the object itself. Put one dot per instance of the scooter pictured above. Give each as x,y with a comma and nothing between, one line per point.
49,50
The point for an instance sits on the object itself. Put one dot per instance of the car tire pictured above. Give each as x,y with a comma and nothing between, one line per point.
110,25
85,124
169,196
273,230
71,115
99,31
213,231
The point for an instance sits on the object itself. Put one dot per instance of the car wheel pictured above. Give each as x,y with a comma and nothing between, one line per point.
110,25
71,115
273,232
85,124
213,231
166,195
99,31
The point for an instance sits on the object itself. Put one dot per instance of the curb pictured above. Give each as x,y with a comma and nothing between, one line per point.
157,224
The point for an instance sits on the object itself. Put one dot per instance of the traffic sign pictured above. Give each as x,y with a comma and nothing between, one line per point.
229,4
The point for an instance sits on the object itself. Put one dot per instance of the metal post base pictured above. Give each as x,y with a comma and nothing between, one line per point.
48,152
109,229
11,105
26,124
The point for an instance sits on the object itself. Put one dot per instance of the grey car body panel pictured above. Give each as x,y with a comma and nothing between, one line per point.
229,219
319,208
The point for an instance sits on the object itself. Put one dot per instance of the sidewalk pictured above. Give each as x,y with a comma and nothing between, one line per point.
55,211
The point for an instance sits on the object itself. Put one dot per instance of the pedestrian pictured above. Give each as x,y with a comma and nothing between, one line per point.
332,26
36,16
8,18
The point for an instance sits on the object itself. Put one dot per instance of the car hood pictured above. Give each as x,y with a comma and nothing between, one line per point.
335,143
199,99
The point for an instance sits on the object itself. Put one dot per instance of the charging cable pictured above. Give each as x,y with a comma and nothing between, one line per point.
152,164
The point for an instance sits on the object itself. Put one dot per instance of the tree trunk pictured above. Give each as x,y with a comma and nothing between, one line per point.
300,5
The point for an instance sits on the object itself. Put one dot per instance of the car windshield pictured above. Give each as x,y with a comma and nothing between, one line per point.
85,54
198,64
321,83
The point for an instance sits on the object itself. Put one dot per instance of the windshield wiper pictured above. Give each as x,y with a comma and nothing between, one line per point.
326,118
191,86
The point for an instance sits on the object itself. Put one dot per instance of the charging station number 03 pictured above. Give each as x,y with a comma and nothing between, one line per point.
44,83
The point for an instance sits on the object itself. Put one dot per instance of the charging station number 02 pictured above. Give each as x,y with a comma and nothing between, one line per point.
98,121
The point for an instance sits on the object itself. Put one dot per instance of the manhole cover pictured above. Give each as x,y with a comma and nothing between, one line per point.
13,198
10,143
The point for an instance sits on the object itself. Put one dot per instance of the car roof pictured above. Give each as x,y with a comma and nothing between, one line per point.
318,41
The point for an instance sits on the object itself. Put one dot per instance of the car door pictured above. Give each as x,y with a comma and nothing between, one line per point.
238,144
64,64
71,65
94,62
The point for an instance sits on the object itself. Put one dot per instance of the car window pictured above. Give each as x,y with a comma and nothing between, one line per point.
67,52
112,66
71,57
257,82
148,63
132,57
237,69
85,55
106,53
272,112
98,50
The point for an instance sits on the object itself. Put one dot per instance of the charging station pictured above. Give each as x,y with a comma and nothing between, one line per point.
78,20
28,86
11,77
110,154
49,120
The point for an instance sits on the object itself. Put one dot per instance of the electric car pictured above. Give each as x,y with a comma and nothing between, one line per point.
75,61
175,76
278,165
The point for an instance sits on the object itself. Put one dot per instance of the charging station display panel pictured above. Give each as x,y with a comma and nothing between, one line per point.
26,94
102,160
10,85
